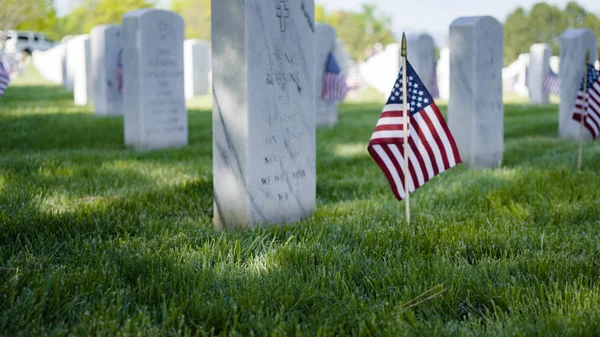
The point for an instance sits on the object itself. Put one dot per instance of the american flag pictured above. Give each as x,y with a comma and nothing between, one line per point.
334,82
120,71
591,116
552,83
4,79
432,149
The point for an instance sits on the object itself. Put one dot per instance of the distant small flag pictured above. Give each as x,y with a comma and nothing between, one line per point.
432,149
334,82
120,71
4,79
552,83
592,115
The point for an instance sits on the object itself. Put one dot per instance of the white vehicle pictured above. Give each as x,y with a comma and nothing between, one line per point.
25,41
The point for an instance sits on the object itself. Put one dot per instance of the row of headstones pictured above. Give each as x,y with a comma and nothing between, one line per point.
265,99
91,66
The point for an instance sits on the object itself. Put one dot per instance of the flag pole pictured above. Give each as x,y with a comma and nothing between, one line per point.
405,114
583,110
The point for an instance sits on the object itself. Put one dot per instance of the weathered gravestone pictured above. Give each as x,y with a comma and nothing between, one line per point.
154,102
263,111
443,73
325,40
79,58
475,110
573,46
196,65
107,69
421,55
539,68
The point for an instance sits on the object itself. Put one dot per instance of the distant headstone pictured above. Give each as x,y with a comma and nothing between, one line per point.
342,57
107,69
443,73
475,110
573,46
539,68
514,77
79,56
196,65
421,55
49,63
555,64
154,101
325,37
263,57
67,65
381,70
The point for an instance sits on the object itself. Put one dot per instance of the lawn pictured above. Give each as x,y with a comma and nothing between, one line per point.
96,239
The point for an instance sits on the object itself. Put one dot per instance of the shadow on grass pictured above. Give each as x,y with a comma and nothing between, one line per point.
36,94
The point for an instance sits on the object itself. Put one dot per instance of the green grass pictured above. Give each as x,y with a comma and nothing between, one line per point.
96,239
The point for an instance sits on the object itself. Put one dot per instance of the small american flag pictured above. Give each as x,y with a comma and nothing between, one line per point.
552,83
334,82
432,149
120,71
591,117
4,79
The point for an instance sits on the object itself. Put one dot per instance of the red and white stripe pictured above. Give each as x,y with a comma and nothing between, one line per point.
592,115
334,87
552,84
431,147
4,79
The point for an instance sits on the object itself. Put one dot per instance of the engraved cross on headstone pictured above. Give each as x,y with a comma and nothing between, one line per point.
282,13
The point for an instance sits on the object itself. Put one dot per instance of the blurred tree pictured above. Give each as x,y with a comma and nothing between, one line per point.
359,31
91,13
15,12
196,14
543,24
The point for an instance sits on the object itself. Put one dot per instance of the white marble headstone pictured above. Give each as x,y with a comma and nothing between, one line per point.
421,55
196,60
539,68
154,101
79,58
67,64
555,64
443,73
573,46
381,70
514,77
49,63
342,57
475,109
263,54
107,69
325,37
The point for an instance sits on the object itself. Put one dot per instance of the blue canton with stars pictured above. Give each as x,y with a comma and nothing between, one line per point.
418,96
593,75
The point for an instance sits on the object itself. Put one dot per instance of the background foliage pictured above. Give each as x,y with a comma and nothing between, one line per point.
544,23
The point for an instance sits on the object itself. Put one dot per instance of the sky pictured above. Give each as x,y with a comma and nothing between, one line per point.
431,16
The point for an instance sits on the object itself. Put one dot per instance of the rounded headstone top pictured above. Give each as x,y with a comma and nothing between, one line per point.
104,27
141,13
576,32
475,20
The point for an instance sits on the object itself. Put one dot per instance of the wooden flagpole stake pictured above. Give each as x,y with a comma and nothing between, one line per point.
405,114
583,110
